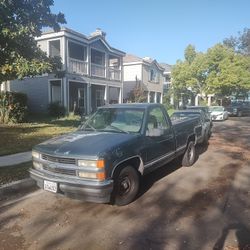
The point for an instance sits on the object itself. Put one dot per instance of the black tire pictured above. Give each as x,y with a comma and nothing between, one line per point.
126,186
206,138
189,155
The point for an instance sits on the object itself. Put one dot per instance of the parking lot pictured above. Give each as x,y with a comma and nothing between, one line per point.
205,206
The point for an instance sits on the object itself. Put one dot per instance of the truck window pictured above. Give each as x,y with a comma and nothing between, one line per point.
157,119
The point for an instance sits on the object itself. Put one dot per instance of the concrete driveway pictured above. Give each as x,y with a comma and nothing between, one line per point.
206,206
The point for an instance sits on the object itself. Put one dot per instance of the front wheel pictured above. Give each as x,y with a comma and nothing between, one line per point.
126,186
189,155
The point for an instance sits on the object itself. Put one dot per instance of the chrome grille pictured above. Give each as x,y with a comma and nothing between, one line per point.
59,170
58,159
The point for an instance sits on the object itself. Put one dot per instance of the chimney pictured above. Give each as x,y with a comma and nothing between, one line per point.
98,32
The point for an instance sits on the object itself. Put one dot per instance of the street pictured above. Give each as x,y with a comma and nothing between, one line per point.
205,206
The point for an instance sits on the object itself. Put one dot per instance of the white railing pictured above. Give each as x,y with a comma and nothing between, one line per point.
97,70
114,74
78,67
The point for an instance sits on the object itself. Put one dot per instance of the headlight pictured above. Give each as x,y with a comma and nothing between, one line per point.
91,163
35,155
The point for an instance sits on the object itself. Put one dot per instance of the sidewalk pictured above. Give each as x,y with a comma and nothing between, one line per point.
15,159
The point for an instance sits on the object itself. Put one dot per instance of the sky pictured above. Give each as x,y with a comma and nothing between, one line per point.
160,29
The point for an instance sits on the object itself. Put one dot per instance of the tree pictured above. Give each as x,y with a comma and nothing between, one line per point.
137,94
190,53
219,71
240,44
20,22
228,72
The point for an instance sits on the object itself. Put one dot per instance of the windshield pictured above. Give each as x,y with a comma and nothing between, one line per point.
216,108
123,120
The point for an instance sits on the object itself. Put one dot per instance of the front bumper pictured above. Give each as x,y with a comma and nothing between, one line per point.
99,192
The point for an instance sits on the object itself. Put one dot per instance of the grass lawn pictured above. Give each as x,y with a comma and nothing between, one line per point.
16,138
14,173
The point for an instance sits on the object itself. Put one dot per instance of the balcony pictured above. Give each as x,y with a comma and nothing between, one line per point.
78,66
97,70
114,74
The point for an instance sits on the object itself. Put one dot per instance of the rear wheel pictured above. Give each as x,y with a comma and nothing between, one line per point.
189,155
126,186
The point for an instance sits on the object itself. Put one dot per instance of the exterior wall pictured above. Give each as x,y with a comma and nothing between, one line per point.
131,71
152,86
36,90
43,45
142,71
99,46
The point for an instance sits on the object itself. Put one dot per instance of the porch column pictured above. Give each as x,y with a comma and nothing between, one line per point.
209,100
106,94
197,97
65,94
148,96
89,106
161,98
120,95
155,98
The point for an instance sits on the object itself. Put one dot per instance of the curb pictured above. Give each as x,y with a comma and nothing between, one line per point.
17,186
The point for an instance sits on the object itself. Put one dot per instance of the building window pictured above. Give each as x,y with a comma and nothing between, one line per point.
77,51
56,91
153,76
54,48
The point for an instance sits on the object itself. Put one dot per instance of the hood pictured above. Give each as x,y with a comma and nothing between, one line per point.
83,143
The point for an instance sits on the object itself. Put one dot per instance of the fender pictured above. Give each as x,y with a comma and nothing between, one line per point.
140,168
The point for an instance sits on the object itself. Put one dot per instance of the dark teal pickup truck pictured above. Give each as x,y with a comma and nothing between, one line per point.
104,159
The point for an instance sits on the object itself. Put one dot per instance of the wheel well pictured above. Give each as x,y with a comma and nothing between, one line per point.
191,138
134,162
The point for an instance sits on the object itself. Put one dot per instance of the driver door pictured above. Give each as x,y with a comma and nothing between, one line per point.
160,140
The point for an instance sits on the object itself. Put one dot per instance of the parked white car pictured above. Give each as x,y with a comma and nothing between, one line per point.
218,113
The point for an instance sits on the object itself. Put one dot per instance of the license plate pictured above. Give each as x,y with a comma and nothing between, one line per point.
50,186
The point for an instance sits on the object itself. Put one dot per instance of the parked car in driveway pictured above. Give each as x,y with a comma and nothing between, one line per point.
218,113
103,160
203,129
240,108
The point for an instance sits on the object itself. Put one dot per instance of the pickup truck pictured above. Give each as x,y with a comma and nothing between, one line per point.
104,159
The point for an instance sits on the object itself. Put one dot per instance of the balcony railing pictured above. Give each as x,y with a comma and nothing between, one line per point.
97,70
114,74
78,67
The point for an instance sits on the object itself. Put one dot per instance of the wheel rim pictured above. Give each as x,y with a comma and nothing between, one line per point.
190,152
124,185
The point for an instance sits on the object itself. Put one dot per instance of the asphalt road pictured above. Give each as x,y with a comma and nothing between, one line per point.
206,206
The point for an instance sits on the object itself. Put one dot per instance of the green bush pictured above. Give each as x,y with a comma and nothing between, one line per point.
56,110
13,107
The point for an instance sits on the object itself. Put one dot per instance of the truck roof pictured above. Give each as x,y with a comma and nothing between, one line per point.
133,105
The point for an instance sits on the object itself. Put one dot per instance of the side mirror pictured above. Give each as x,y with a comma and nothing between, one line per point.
154,132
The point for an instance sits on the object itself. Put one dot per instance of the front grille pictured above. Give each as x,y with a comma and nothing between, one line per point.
60,170
58,159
